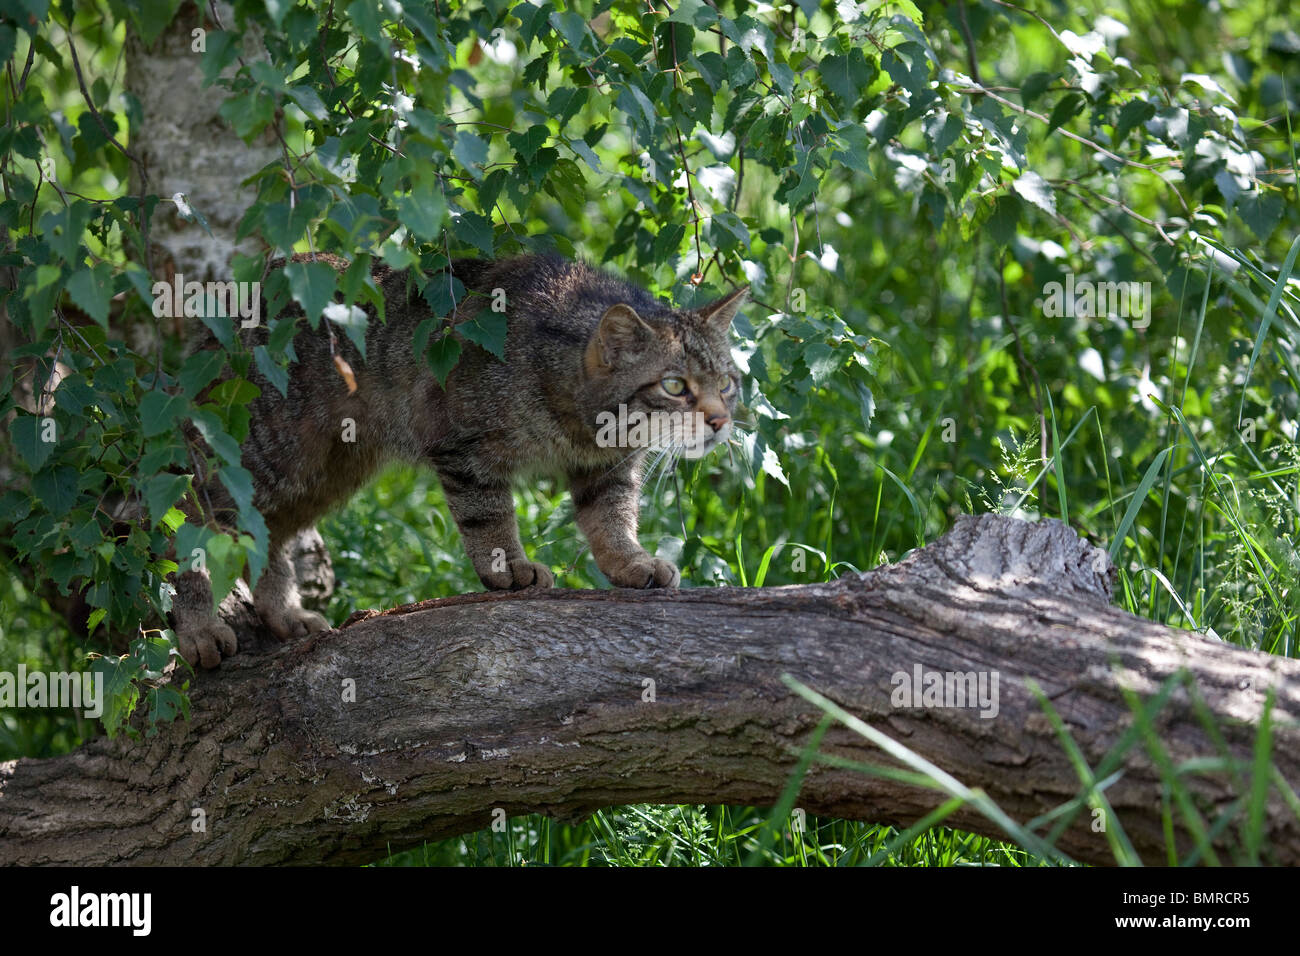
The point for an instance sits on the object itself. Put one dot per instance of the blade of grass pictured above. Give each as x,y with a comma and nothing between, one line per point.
1139,496
977,798
1259,779
1266,318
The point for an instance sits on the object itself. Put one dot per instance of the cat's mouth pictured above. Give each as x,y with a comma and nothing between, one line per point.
700,448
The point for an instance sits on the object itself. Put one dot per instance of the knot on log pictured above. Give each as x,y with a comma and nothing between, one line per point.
1014,556
996,556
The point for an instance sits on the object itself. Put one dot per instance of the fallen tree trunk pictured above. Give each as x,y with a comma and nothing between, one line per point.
416,724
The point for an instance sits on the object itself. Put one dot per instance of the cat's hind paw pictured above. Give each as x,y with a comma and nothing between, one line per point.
644,571
288,623
207,642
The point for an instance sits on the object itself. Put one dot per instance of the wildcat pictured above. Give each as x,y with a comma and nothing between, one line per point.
580,342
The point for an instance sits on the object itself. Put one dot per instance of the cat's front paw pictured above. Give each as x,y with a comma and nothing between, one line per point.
519,573
288,623
206,642
643,571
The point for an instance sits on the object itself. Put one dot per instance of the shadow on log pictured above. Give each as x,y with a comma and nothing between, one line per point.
535,702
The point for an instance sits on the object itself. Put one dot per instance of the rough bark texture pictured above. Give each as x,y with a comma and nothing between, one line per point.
534,702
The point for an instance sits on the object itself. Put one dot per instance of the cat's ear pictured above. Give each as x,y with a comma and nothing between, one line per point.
720,313
620,329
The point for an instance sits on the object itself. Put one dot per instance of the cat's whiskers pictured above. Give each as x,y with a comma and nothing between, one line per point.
663,463
612,468
669,459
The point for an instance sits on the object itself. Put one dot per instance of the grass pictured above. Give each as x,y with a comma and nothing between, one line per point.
707,836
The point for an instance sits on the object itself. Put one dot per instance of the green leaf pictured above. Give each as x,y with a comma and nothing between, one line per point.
1261,213
535,19
309,102
158,411
565,102
1006,214
56,489
365,14
276,373
225,560
908,65
942,130
283,225
846,74
120,692
161,492
1035,189
856,148
239,482
64,229
442,357
443,292
695,12
353,321
821,360
488,330
28,432
640,111
92,289
588,154
866,404
712,68
312,284
527,143
573,27
471,152
475,229
276,9
248,113
152,16
1134,114
200,369
165,704
423,212
1066,109
92,622
668,241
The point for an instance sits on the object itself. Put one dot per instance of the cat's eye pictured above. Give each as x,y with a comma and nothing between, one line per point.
673,386
729,387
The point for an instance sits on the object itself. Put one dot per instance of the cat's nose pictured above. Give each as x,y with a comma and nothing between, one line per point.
717,421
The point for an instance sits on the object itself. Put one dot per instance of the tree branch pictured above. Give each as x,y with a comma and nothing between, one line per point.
538,702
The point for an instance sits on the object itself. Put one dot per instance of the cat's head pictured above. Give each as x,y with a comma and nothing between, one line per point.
663,379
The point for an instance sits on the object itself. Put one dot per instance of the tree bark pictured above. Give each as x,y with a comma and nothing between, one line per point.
188,149
536,702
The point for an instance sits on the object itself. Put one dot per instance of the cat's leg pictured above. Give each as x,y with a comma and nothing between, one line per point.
606,503
276,598
203,637
485,514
